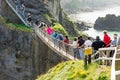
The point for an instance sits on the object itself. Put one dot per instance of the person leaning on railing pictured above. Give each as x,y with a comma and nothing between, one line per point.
88,50
97,44
60,39
113,44
118,43
54,35
66,41
80,45
75,49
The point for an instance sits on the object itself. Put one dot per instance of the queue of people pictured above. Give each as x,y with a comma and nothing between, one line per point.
79,44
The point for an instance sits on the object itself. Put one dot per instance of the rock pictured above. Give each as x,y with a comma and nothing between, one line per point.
23,56
110,22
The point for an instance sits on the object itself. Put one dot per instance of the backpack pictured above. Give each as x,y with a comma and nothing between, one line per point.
60,37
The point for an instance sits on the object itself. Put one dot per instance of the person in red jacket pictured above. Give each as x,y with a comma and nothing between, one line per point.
66,41
106,39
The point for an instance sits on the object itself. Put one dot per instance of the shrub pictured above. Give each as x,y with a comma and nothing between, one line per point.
59,28
102,76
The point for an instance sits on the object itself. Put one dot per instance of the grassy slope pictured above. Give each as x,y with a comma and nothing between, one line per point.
75,70
14,26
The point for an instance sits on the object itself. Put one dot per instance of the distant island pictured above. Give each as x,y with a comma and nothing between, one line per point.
109,22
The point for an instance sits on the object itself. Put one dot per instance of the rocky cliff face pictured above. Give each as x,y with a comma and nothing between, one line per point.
23,56
49,11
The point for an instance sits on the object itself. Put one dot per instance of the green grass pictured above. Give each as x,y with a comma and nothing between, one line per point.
14,26
21,27
74,70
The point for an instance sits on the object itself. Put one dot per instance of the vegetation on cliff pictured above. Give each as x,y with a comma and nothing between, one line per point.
14,26
75,70
59,28
110,22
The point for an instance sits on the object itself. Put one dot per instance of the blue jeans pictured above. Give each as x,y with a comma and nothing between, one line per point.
81,52
76,52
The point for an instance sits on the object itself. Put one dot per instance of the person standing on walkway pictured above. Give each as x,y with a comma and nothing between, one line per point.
49,30
114,41
113,44
88,50
23,9
75,49
66,43
60,39
29,19
118,44
80,45
106,39
97,44
54,35
88,42
17,4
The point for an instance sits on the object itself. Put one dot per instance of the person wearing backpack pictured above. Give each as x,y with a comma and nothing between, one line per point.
54,35
60,39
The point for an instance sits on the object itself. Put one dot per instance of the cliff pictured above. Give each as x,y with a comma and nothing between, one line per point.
23,56
109,22
49,11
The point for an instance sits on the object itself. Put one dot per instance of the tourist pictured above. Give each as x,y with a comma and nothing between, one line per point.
49,30
113,44
88,42
106,39
75,49
23,9
98,44
37,22
29,19
118,43
80,45
66,41
54,35
17,3
114,41
88,50
41,24
60,39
